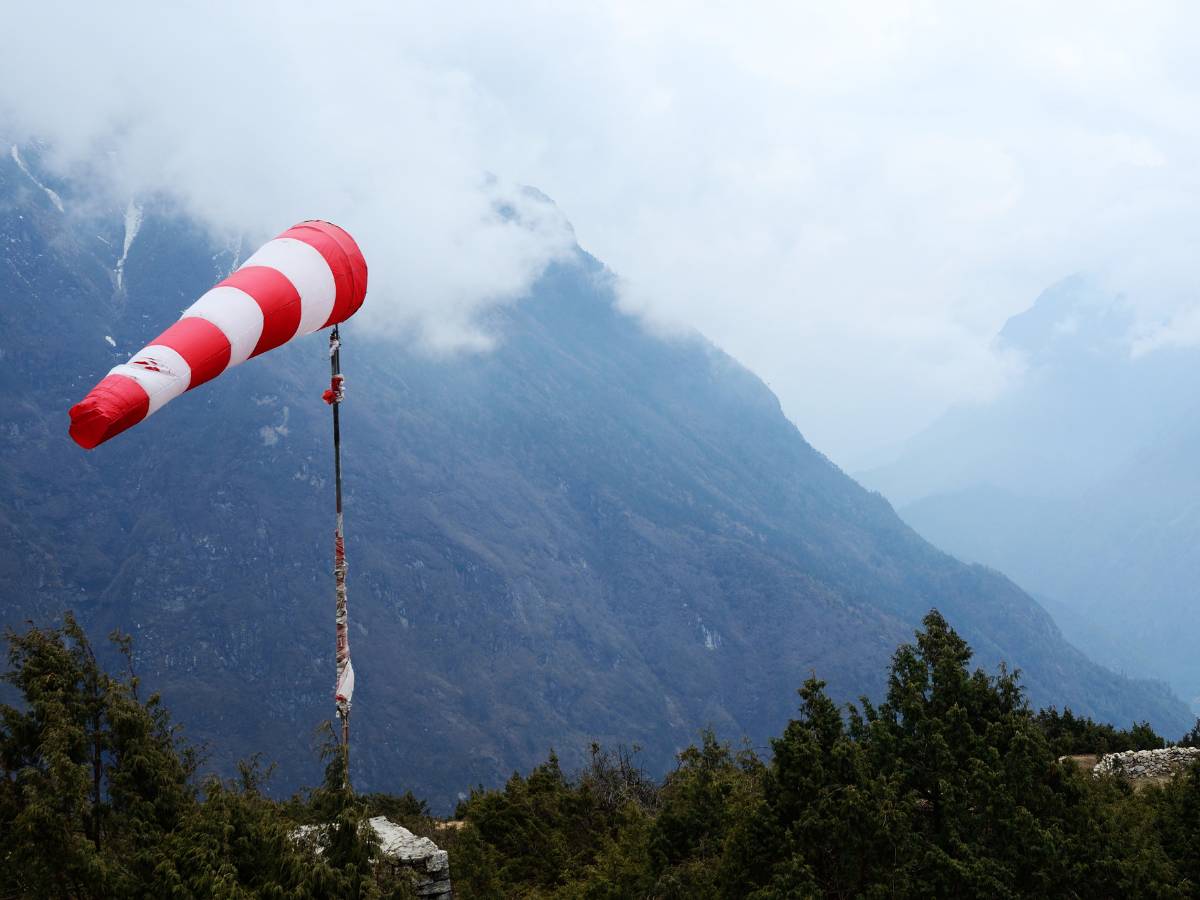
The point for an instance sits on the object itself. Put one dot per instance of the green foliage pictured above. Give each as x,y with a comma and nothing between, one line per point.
1176,812
403,809
97,798
542,829
1070,734
710,791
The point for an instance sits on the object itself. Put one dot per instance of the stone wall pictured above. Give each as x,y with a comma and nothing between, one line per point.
1147,763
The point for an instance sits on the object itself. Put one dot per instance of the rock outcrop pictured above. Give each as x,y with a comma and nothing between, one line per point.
1147,763
403,854
402,849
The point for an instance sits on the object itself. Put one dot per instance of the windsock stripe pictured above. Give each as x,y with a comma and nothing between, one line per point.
239,316
307,270
161,371
203,346
345,262
278,302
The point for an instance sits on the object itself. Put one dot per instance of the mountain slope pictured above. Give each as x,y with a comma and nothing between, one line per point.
589,532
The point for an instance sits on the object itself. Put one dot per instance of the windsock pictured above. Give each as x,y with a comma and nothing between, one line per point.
310,277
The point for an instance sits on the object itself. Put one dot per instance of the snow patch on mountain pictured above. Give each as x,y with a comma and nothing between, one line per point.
54,198
133,224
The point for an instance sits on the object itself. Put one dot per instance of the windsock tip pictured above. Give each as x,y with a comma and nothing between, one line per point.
113,405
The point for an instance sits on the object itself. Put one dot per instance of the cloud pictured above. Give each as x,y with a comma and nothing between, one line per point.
1181,330
850,198
253,119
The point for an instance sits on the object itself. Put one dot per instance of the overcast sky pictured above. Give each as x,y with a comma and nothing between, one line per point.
849,198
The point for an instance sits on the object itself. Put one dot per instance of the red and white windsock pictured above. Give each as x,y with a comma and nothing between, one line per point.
310,277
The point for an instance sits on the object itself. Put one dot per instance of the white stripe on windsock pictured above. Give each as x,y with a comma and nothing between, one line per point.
162,373
237,314
308,271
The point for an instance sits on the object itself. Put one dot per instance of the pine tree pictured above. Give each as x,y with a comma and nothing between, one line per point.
97,797
54,751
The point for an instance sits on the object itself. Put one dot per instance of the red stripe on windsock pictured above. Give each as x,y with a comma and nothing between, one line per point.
202,345
278,299
345,261
116,403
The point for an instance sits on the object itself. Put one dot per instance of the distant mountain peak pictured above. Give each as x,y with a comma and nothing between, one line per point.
1073,319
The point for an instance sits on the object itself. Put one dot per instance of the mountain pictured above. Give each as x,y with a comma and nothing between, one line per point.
590,532
1089,495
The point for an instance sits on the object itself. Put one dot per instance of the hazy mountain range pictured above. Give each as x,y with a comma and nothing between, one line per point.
1081,483
589,532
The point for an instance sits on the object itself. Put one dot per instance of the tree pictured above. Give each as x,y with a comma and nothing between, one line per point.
1071,734
947,788
828,823
701,802
97,797
1177,820
53,815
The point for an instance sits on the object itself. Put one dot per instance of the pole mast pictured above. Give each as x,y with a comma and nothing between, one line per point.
344,686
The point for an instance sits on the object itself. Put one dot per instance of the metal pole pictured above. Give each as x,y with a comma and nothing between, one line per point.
344,685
